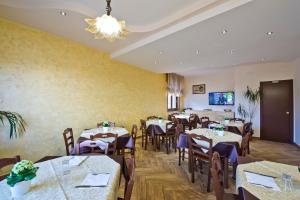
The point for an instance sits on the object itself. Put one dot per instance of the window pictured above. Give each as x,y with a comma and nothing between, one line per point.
173,102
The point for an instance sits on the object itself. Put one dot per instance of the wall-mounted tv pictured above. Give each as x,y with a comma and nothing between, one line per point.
221,98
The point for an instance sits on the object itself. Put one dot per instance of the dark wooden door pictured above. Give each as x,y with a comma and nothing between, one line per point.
276,111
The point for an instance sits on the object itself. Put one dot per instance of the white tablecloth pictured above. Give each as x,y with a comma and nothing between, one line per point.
216,138
115,130
183,116
51,184
160,123
270,169
237,124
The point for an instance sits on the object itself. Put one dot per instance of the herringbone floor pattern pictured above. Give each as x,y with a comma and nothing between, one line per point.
158,176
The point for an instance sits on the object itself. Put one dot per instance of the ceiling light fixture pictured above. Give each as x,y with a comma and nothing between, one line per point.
106,26
161,52
224,31
63,13
197,52
232,51
269,33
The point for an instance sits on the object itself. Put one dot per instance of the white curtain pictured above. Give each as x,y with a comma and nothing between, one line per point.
175,84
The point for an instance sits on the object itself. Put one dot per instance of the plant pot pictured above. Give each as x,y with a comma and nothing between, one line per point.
105,129
21,188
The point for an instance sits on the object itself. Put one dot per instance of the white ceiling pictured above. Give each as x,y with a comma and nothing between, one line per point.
165,35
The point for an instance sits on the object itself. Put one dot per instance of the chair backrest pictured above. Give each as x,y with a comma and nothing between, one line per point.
200,146
143,124
111,124
247,128
237,120
129,180
204,122
245,144
134,131
179,129
69,140
6,162
194,120
217,176
152,117
112,145
186,109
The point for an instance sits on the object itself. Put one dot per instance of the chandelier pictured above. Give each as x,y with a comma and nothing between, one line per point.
106,26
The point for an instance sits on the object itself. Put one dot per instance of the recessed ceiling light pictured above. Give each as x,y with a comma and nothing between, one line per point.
63,13
161,52
269,33
232,51
197,52
224,31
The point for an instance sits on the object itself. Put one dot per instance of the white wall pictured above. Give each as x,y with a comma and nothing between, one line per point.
237,79
252,75
219,82
296,63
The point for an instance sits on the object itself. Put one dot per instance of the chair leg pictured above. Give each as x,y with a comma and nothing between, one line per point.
143,139
225,175
146,141
208,181
179,156
193,170
183,154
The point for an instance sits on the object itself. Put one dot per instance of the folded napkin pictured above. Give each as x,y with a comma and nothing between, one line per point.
95,180
262,180
76,160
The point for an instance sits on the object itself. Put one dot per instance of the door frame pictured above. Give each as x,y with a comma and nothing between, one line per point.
291,82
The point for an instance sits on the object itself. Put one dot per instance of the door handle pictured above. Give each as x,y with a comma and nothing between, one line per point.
288,113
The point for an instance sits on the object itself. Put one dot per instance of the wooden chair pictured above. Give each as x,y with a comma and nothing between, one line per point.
112,145
169,137
217,176
69,140
181,151
201,153
237,120
111,124
129,180
145,136
204,122
4,162
194,121
132,149
245,145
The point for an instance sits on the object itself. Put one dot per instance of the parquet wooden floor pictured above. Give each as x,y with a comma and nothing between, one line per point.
158,176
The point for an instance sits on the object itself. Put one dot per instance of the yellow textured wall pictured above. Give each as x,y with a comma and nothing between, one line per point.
55,83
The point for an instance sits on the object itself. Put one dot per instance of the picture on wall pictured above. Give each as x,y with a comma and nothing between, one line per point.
199,89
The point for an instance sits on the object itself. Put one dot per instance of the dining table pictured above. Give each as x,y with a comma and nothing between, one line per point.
266,180
157,126
57,180
232,126
124,139
224,142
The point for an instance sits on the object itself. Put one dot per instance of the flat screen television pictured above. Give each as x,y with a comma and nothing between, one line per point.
221,98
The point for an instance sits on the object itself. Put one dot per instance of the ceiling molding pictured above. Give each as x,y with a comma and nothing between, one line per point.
204,15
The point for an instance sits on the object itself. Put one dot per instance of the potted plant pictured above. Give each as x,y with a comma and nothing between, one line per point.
20,177
252,98
106,126
16,122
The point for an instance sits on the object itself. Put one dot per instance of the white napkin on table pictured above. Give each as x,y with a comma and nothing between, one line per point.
76,160
95,180
262,180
